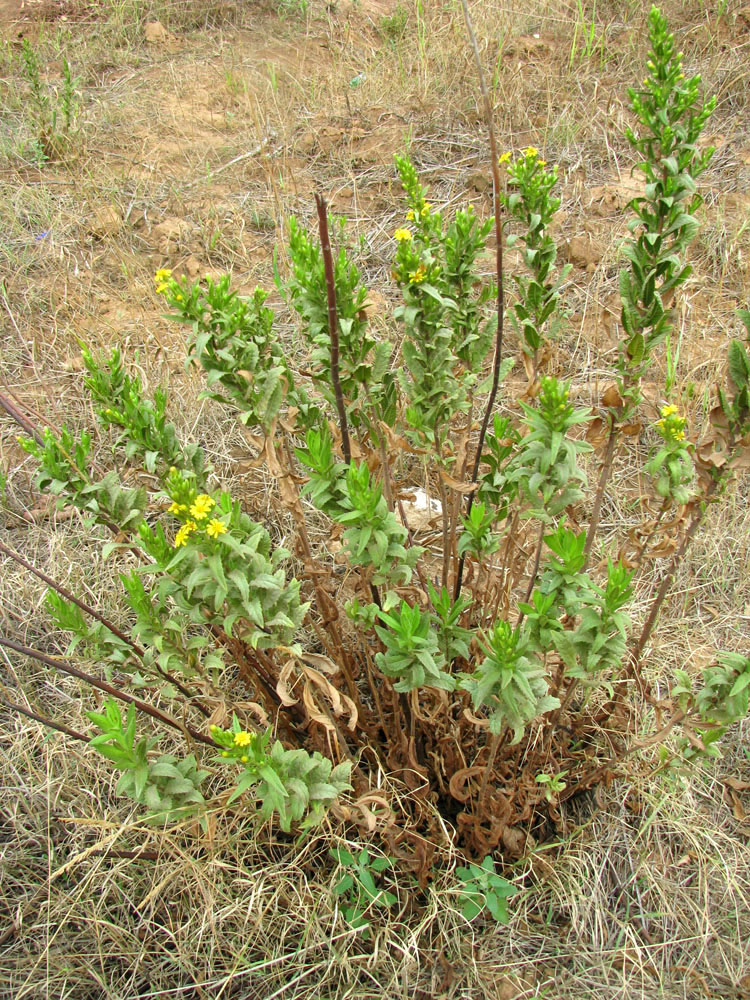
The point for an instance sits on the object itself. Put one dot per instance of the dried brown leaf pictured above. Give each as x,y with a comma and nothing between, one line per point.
320,662
597,433
611,396
460,785
341,703
464,488
283,688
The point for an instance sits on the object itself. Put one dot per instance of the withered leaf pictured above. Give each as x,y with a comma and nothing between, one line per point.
340,702
597,433
283,688
455,484
736,784
460,783
321,662
611,396
632,430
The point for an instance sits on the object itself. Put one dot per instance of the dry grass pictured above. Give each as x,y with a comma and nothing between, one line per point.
193,152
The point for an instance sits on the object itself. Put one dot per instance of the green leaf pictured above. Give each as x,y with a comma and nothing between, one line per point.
471,909
344,885
739,364
740,684
498,908
273,781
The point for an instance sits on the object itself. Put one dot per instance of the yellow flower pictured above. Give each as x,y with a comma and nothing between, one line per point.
672,425
201,506
162,288
402,235
542,163
215,528
415,277
179,296
162,275
425,210
530,152
184,533
410,215
242,739
505,158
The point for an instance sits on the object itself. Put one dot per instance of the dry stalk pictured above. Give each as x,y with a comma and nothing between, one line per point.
59,664
137,650
495,167
333,323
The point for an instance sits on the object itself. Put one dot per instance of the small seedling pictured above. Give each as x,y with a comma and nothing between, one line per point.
359,885
483,888
552,784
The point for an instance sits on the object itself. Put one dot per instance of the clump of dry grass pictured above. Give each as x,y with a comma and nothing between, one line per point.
646,897
648,894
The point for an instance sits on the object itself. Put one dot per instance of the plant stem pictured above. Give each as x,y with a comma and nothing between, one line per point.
328,609
12,410
72,598
604,475
633,668
495,167
104,621
669,578
535,570
67,668
48,723
445,514
333,323
495,745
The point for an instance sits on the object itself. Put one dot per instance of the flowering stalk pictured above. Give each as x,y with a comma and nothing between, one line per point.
535,315
672,465
671,119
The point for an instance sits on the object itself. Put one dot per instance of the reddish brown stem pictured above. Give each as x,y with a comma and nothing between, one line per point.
633,668
535,570
105,621
668,579
59,726
333,322
71,597
12,410
603,480
495,744
67,668
495,167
